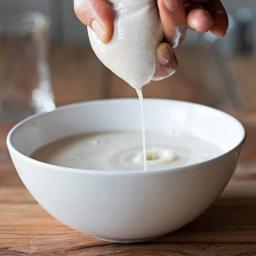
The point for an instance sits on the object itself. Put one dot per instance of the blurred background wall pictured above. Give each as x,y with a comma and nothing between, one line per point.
64,25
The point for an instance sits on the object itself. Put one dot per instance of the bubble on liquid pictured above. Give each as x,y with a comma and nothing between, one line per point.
156,155
97,141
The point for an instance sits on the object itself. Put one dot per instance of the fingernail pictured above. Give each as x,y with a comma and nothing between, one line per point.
170,71
98,29
171,5
163,55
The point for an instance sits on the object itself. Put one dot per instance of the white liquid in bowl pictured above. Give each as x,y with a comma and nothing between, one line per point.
121,150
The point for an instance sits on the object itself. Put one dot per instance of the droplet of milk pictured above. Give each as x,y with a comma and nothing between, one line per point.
176,39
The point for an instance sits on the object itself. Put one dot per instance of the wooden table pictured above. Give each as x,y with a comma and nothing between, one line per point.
227,228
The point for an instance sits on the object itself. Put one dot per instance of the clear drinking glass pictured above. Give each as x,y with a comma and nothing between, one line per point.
25,86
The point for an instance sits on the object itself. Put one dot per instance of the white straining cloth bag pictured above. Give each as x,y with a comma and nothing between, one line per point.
131,52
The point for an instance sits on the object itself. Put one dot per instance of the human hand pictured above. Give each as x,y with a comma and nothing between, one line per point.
175,15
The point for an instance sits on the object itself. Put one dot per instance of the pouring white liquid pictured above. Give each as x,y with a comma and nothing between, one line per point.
131,52
143,128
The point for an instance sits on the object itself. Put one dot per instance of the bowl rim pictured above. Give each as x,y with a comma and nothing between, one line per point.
48,166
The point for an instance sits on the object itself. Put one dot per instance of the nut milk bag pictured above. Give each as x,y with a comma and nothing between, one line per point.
131,52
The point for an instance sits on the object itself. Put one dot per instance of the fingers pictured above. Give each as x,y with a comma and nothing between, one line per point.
173,18
166,62
220,17
199,20
205,15
98,15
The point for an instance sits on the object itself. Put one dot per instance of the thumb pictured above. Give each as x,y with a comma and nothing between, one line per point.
98,15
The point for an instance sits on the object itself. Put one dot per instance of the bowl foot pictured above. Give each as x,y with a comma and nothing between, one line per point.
126,241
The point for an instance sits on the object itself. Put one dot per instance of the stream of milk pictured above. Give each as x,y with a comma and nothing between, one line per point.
143,128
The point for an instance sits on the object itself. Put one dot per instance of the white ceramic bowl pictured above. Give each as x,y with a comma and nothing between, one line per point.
134,205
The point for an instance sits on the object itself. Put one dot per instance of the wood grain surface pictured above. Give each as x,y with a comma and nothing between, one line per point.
228,227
